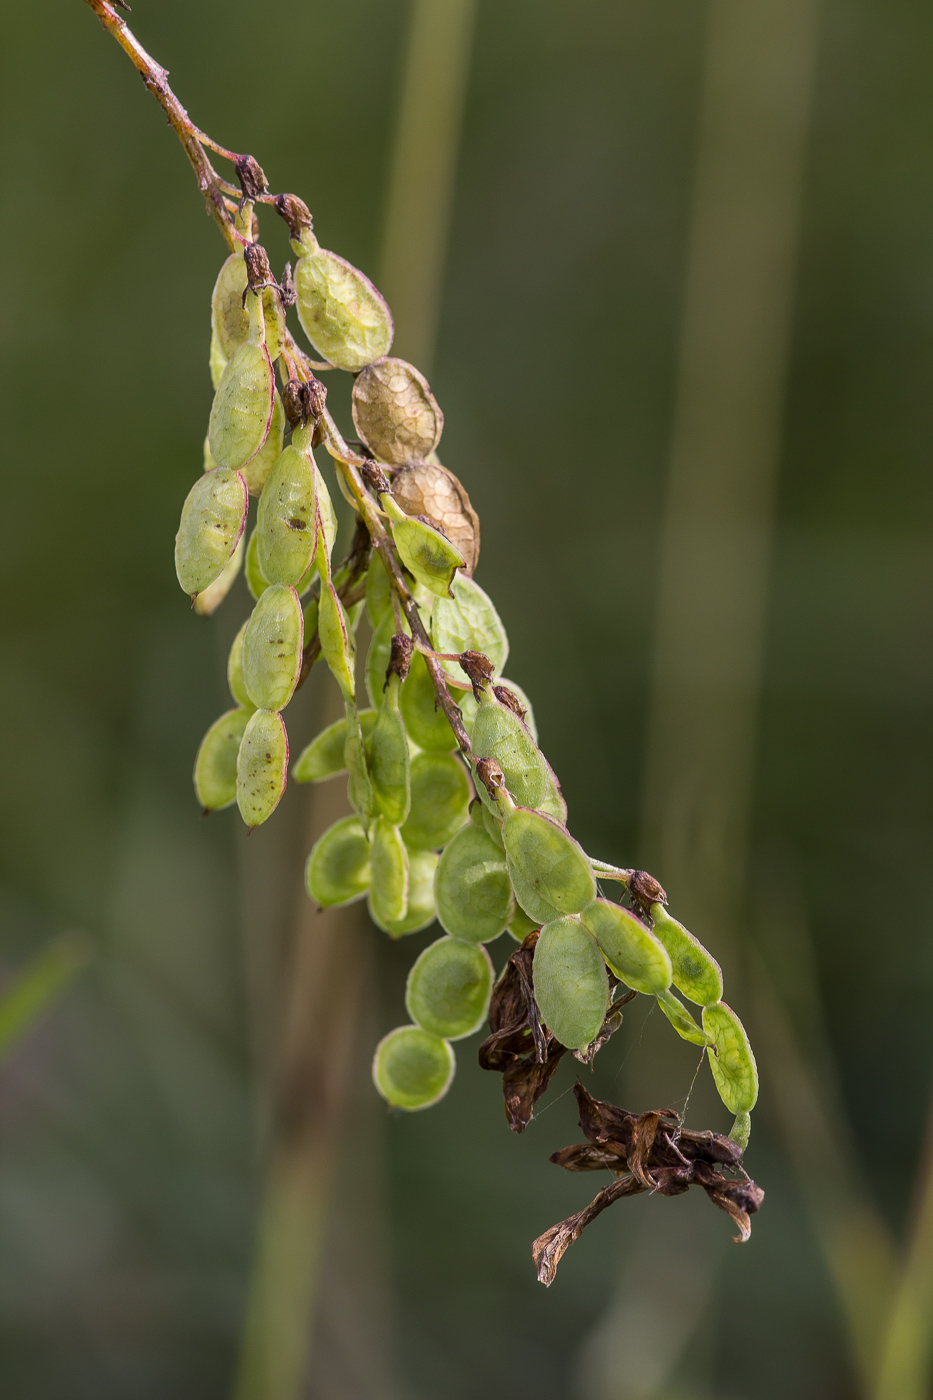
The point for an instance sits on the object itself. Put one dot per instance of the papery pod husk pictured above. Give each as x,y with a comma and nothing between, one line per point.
389,860
636,957
395,413
440,800
425,721
324,757
731,1058
235,680
472,889
499,733
216,763
257,469
212,522
241,414
428,489
549,870
217,361
229,317
468,622
272,648
420,913
449,987
378,590
680,1018
287,519
697,974
413,1069
262,767
388,758
337,871
570,982
424,551
337,641
359,783
213,595
341,313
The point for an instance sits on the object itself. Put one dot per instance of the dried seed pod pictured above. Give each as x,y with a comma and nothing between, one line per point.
395,412
359,783
286,522
420,913
448,988
337,871
697,974
549,871
337,641
413,1069
378,590
570,982
229,318
215,765
324,756
731,1058
389,860
468,622
212,521
387,753
262,767
213,595
424,719
217,360
241,414
257,470
430,490
341,313
472,889
499,733
272,648
424,551
630,949
235,680
680,1018
440,799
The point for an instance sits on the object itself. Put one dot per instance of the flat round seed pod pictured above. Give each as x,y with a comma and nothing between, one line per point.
413,1069
215,765
525,703
338,645
428,489
229,317
571,986
389,861
217,361
341,313
499,733
262,767
552,804
449,987
257,469
680,1018
468,622
731,1058
272,648
213,595
630,949
337,870
377,658
387,756
327,521
241,414
425,721
493,828
472,888
440,800
286,522
420,913
378,590
521,925
235,681
424,551
697,974
395,412
359,783
256,581
548,869
324,756
212,521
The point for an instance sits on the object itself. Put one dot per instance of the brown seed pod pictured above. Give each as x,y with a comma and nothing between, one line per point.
428,489
395,412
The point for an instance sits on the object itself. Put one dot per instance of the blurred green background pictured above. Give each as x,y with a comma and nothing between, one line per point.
138,1116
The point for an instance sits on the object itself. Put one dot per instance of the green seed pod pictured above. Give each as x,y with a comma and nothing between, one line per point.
286,522
440,799
324,756
468,622
256,581
630,949
311,617
235,681
389,860
525,703
395,412
262,767
424,551
212,521
359,783
697,974
571,986
430,490
378,590
413,1069
215,765
424,719
338,645
449,987
521,925
493,828
229,318
549,871
256,471
421,868
272,648
553,804
210,600
731,1058
741,1129
241,414
472,888
341,313
389,763
209,463
680,1018
377,658
217,361
326,523
337,870
499,733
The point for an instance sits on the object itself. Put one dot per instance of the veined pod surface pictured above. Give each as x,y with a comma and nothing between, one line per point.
552,804
697,974
341,313
213,595
449,987
428,489
630,949
235,681
286,522
389,860
424,719
337,641
571,986
389,762
215,765
472,889
549,871
256,581
395,412
378,590
440,800
241,414
212,521
359,782
262,767
272,648
229,317
499,733
217,361
731,1059
338,871
468,622
413,1069
680,1018
257,469
324,756
424,551
420,912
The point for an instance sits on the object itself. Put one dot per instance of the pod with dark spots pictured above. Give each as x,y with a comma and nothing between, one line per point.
697,974
680,1018
241,414
499,733
413,1069
420,912
428,489
440,800
424,551
212,521
324,756
286,522
630,949
337,641
448,988
235,680
216,763
570,982
395,412
257,469
341,313
389,762
262,767
229,317
549,870
378,590
731,1059
472,890
741,1129
337,871
213,595
424,719
359,782
389,860
272,648
468,622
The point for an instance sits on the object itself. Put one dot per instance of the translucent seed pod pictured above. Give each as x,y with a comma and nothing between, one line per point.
731,1059
235,680
262,767
377,658
424,551
213,595
440,799
428,489
341,313
680,1018
389,762
424,719
389,860
571,986
449,987
359,783
327,524
630,949
522,925
549,871
215,765
209,463
420,913
272,648
499,733
257,469
229,318
378,590
413,1069
241,414
324,756
286,522
472,890
395,412
741,1129
468,622
217,361
337,871
256,581
697,974
338,645
212,521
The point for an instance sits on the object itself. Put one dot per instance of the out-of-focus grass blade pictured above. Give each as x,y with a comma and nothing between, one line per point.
39,984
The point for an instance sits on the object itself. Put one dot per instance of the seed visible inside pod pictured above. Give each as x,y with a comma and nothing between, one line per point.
440,799
424,551
395,412
421,868
215,765
413,1069
212,521
286,522
549,871
235,681
272,648
210,600
241,414
424,719
324,756
229,317
428,489
262,767
571,986
387,754
257,469
448,988
472,888
731,1058
341,313
337,640
389,861
680,1018
697,974
630,949
499,733
468,622
337,870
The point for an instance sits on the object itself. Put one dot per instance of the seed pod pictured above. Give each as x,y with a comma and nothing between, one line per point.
212,521
210,600
449,987
420,913
522,925
697,974
389,763
499,733
272,648
389,860
472,888
493,827
341,313
413,1069
229,318
286,522
680,1018
553,804
378,590
524,703
359,783
741,1129
338,645
257,470
217,361
430,490
377,658
256,581
424,719
326,522
468,622
549,871
440,799
215,765
731,1058
337,870
235,681
395,412
630,949
262,767
241,414
324,756
424,551
571,986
